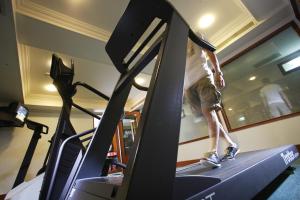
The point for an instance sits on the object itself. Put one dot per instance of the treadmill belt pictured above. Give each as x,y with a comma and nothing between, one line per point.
230,167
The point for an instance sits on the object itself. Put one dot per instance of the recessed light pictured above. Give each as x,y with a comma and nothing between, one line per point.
242,118
252,78
50,88
230,109
206,21
139,80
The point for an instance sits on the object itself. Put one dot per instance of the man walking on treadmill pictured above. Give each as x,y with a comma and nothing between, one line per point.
201,88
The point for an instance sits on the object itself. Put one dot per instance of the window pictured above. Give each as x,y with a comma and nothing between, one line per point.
290,63
192,127
263,83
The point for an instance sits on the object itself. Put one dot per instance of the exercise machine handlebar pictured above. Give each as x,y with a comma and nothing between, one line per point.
139,87
41,128
90,88
200,42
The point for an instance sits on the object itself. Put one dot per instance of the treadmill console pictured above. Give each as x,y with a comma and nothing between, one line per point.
21,113
13,115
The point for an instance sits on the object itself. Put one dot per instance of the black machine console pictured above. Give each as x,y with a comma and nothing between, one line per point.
13,115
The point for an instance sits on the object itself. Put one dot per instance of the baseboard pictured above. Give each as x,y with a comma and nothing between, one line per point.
186,162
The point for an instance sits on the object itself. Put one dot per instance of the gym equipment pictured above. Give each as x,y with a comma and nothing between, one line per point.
57,174
38,129
15,115
151,170
66,154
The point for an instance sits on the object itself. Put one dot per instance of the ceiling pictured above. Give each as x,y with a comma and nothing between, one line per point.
79,30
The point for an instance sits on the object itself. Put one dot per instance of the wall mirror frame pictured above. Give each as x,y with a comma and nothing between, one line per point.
277,64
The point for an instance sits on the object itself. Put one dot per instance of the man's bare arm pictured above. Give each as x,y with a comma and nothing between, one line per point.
218,73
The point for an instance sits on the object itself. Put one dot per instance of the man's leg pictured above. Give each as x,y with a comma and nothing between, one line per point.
216,130
226,136
211,157
213,127
210,99
232,150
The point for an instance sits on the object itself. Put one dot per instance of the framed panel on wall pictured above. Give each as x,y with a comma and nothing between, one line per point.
262,83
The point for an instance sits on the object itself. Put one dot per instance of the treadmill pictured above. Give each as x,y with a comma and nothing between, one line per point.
16,115
151,170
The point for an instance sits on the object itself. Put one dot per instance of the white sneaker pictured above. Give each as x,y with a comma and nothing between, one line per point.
211,160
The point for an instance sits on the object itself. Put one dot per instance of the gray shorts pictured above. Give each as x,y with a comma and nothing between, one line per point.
203,94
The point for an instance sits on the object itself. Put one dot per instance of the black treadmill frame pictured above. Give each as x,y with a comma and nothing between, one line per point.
160,121
38,130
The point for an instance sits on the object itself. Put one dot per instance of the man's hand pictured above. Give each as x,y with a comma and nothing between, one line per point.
219,81
218,76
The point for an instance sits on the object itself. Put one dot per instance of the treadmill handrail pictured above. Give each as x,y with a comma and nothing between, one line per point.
200,42
33,125
60,154
139,87
86,111
90,88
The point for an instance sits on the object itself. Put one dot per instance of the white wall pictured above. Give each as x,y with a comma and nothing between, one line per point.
264,136
14,143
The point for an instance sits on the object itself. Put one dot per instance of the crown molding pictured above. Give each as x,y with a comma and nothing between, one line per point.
234,28
52,100
55,101
36,11
24,60
43,100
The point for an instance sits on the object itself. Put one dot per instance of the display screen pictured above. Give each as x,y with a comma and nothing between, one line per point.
22,113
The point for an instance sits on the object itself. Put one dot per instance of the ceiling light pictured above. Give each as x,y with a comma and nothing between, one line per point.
252,78
242,118
139,80
50,88
206,21
230,109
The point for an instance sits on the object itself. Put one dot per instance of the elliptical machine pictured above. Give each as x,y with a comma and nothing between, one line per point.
67,147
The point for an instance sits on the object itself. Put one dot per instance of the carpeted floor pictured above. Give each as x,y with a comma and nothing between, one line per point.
290,188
